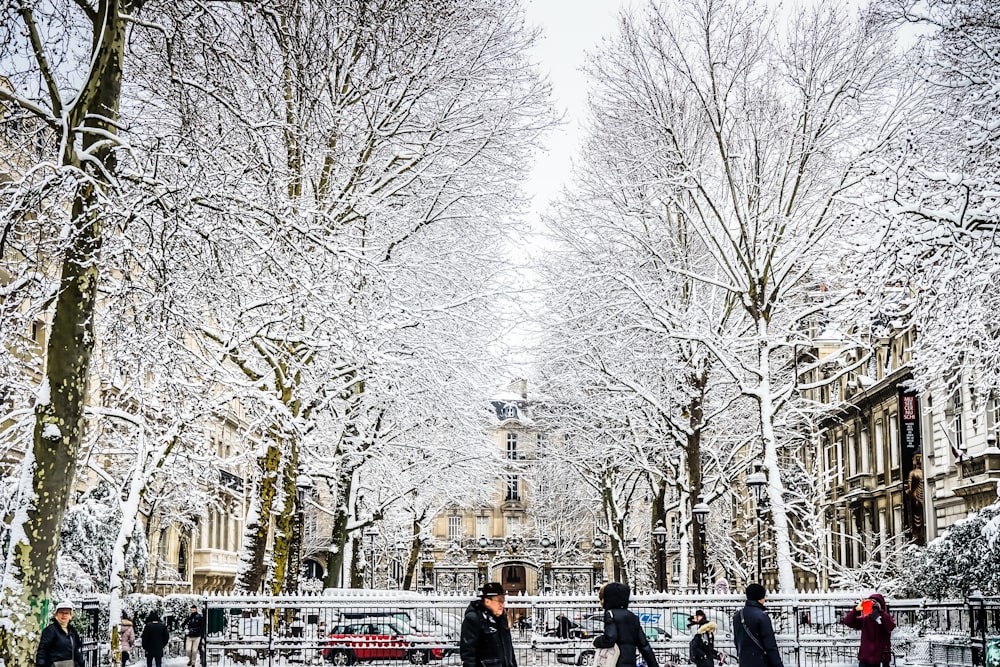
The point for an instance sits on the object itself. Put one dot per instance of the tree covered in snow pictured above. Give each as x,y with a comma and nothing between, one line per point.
941,192
63,65
366,157
745,137
87,544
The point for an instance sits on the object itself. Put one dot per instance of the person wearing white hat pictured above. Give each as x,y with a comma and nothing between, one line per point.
60,644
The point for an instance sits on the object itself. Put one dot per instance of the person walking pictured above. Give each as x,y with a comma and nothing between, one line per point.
563,626
485,639
194,628
753,632
60,644
872,618
126,638
622,627
701,650
154,639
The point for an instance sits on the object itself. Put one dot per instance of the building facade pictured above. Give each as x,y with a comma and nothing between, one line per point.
502,540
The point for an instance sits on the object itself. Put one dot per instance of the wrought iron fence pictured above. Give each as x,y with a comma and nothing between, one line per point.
419,629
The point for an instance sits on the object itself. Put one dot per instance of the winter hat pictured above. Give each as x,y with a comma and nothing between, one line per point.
693,618
493,589
64,605
756,592
616,595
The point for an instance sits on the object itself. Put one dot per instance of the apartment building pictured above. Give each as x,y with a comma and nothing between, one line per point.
504,540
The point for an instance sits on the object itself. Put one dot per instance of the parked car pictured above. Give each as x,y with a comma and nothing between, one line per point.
580,649
378,640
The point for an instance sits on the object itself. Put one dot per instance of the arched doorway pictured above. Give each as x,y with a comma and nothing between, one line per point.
514,579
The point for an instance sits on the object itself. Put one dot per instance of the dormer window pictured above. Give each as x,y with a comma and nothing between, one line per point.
509,412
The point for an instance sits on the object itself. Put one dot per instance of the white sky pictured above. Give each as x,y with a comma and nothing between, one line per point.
570,28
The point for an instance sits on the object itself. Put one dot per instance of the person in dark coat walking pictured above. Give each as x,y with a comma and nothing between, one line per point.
622,627
486,640
60,641
876,626
701,650
155,638
194,628
753,632
564,625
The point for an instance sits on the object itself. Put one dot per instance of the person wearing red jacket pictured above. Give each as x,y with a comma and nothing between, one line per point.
872,618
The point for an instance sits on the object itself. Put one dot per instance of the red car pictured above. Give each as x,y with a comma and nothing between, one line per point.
378,640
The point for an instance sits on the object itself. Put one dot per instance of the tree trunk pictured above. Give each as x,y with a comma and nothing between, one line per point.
59,412
253,569
775,486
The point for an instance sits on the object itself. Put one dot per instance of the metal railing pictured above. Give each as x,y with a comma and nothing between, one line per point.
348,629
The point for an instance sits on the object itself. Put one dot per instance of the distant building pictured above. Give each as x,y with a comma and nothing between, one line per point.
502,541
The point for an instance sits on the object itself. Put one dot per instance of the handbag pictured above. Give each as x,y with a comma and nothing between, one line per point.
62,663
607,657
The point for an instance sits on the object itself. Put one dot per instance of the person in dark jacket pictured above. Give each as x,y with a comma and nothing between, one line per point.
486,640
876,628
753,632
564,625
701,650
155,638
622,627
60,641
194,628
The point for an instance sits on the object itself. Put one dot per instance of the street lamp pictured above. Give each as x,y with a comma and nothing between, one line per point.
700,512
633,547
303,487
370,535
756,481
660,535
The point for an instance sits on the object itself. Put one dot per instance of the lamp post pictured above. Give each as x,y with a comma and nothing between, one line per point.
756,481
483,563
660,535
303,486
370,535
700,512
596,545
633,548
548,579
977,616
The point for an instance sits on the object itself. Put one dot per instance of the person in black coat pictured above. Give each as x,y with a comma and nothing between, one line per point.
622,627
486,640
753,632
60,640
155,638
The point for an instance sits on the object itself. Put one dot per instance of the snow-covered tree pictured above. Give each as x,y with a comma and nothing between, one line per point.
379,146
964,559
63,64
749,134
940,194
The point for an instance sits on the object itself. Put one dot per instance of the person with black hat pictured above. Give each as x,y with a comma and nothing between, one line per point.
622,627
753,632
701,650
60,644
486,640
154,639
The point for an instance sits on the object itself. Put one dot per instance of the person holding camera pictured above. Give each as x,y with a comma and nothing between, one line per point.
876,624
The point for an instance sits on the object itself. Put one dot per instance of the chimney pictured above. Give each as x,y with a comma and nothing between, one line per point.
519,386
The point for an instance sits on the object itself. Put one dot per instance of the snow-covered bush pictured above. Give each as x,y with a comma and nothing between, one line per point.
89,530
963,559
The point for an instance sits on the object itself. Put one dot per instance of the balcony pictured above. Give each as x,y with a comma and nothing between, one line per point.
861,482
982,464
230,481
